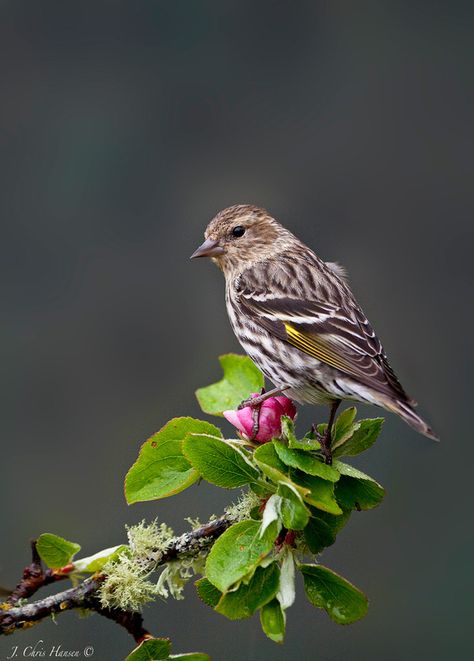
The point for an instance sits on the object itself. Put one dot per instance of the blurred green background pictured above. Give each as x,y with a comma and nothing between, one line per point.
124,127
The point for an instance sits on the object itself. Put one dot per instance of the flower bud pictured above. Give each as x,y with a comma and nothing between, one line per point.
269,419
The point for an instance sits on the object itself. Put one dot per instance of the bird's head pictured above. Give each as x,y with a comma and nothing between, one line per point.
241,235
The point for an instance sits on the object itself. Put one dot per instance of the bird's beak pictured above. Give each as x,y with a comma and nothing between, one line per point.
210,248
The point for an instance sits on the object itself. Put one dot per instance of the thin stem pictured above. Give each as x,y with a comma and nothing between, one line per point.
326,438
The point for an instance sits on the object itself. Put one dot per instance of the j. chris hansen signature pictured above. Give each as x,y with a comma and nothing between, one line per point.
40,651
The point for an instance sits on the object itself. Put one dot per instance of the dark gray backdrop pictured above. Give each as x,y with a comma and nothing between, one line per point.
124,126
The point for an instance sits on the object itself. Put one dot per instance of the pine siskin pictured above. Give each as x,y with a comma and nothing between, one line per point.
298,320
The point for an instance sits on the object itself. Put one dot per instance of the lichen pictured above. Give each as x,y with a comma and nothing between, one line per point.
177,573
130,583
127,585
243,507
145,537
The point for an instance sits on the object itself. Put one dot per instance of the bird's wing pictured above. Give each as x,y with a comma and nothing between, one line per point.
337,333
338,269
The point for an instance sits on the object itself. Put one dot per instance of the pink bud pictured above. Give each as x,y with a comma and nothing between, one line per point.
269,426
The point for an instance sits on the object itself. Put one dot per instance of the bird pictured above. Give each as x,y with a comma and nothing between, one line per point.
297,319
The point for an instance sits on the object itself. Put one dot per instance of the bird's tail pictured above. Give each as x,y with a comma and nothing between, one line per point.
407,413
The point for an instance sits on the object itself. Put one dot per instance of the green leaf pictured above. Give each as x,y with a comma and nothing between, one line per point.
242,603
207,592
350,471
318,535
321,428
306,462
218,462
273,620
335,522
364,434
321,492
260,490
309,442
161,469
237,553
241,378
358,494
322,529
343,602
269,462
294,513
153,649
97,561
56,551
288,429
343,426
356,490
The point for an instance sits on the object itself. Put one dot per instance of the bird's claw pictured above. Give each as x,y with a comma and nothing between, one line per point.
256,422
246,402
253,402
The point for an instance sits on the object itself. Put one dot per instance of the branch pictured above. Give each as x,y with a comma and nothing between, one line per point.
21,617
85,595
35,577
190,543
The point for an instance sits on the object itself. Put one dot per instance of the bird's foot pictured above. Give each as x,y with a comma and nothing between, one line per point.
255,404
256,422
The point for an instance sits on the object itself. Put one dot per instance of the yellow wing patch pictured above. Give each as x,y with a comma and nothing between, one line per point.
315,346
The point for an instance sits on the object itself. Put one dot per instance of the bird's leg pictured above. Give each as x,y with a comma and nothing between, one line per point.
326,439
256,422
255,403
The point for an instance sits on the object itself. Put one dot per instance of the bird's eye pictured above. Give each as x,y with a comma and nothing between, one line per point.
238,231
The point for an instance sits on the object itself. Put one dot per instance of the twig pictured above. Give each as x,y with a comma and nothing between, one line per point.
35,577
190,543
24,616
85,595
